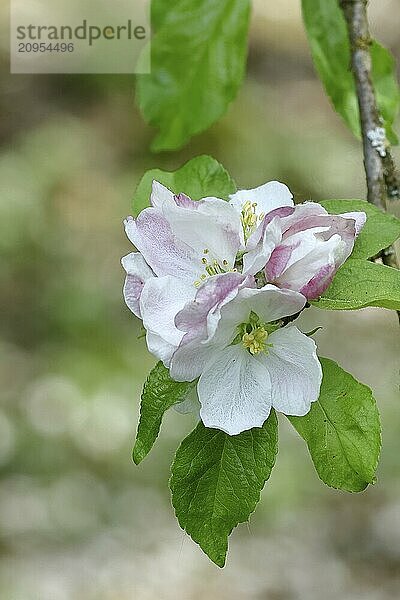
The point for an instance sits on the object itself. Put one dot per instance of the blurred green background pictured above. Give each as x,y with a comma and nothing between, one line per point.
77,519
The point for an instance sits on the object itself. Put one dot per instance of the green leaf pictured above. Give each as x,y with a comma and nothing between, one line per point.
386,86
200,177
380,230
160,392
328,38
360,283
217,479
342,431
198,63
159,11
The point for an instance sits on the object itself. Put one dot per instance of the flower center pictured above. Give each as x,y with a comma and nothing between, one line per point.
253,334
249,218
255,342
212,267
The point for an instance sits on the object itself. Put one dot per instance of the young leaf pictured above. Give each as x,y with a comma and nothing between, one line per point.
342,431
198,62
217,479
200,177
160,392
328,38
359,283
380,230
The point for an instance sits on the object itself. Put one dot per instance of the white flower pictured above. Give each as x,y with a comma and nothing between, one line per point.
246,362
213,281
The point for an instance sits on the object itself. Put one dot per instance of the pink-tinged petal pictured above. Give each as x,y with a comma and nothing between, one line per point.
234,391
197,317
257,256
360,219
294,370
210,223
213,225
185,202
163,251
300,214
137,273
307,218
319,283
199,320
346,230
307,259
284,211
268,197
257,236
325,227
161,299
312,255
279,260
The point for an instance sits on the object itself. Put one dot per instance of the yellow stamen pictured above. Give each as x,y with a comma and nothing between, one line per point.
212,267
255,342
249,218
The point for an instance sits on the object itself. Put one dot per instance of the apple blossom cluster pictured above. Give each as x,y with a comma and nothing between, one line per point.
214,282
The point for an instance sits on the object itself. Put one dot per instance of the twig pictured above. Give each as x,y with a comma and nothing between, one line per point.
382,180
380,170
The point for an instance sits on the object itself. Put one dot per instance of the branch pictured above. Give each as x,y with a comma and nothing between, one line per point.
380,170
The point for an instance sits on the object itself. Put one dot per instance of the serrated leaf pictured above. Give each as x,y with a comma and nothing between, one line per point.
198,62
160,392
359,283
328,38
217,479
342,431
200,177
379,232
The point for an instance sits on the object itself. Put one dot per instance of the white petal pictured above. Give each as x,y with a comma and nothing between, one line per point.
234,391
269,303
138,272
294,369
162,349
269,196
213,225
188,362
160,195
255,259
162,298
